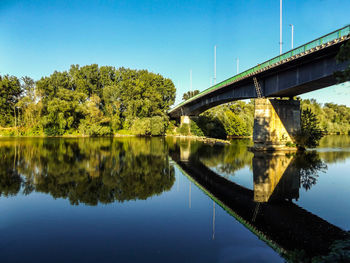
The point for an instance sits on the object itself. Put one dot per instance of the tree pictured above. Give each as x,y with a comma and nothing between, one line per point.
190,94
29,104
93,122
310,133
10,92
69,99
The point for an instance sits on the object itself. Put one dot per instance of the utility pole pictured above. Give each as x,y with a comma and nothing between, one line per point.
292,34
280,27
191,80
214,64
237,65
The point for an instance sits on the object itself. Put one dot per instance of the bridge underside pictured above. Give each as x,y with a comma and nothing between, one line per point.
299,76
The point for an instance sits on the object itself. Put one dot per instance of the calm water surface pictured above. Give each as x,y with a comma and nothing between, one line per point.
168,200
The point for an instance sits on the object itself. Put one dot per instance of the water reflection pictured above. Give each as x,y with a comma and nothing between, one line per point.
267,210
273,176
278,176
88,171
335,148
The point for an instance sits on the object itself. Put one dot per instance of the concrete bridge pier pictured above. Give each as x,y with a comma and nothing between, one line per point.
276,124
185,120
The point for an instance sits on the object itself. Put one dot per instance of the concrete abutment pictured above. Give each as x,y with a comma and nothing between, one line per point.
276,124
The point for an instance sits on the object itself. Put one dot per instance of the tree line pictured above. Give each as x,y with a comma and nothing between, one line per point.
97,101
88,100
236,119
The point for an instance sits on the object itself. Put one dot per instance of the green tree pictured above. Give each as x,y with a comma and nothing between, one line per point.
190,94
10,92
30,105
94,123
310,133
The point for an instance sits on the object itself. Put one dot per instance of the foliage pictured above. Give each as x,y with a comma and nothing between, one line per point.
310,133
10,91
91,100
142,126
233,119
343,56
154,126
190,94
334,119
236,119
195,130
158,125
234,126
171,128
184,129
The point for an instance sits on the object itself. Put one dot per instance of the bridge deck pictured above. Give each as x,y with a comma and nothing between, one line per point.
323,42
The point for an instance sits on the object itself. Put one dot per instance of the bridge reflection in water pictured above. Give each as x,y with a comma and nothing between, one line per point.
275,177
268,210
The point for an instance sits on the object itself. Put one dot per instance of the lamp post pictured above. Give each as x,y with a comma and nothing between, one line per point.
280,26
191,80
214,64
292,34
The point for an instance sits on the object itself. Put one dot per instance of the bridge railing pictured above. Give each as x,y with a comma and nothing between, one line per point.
324,40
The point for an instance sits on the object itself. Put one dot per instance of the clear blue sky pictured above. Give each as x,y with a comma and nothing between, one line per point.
166,37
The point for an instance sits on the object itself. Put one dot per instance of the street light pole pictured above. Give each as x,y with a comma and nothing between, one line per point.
237,65
292,34
214,64
280,26
191,80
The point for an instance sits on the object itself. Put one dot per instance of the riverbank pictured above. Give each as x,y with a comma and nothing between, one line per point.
212,141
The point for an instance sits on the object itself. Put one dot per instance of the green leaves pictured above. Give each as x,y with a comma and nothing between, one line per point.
310,133
94,100
190,94
233,119
10,92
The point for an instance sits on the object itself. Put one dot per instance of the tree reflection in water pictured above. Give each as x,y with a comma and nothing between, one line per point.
88,171
309,165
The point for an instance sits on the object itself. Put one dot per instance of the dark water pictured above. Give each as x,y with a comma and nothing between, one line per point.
169,200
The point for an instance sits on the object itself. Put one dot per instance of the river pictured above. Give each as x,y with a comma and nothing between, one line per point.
169,200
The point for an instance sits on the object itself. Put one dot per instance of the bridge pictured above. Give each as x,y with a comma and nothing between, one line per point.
267,210
306,68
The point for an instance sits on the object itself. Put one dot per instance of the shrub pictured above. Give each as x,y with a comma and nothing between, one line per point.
195,130
171,127
184,129
93,129
310,133
141,126
158,125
